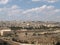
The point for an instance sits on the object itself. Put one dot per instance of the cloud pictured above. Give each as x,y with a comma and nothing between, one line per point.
42,13
14,10
35,0
15,7
43,9
4,1
39,13
10,13
49,1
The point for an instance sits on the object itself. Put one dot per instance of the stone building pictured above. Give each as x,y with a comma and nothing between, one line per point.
2,31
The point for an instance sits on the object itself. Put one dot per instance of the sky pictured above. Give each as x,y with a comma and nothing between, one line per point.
30,10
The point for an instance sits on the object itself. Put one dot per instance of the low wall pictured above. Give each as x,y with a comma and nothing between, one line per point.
36,44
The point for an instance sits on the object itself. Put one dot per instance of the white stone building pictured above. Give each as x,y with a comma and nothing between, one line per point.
4,30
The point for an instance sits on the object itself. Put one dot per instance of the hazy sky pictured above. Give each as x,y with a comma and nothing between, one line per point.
36,10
